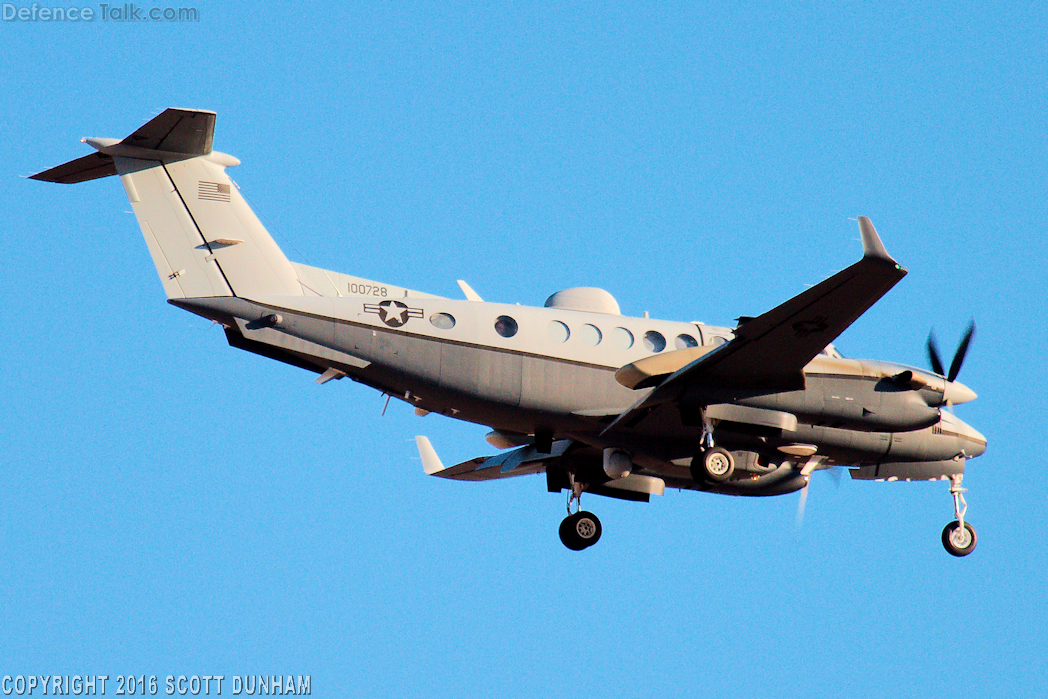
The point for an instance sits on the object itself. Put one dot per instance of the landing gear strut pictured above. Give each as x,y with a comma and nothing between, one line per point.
958,538
712,464
581,529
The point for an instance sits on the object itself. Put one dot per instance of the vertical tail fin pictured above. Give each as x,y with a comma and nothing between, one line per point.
204,238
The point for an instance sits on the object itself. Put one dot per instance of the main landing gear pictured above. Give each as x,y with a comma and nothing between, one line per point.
581,529
713,465
958,538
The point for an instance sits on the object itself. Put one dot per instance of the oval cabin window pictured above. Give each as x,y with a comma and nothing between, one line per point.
622,338
505,326
590,335
654,342
558,332
444,321
685,341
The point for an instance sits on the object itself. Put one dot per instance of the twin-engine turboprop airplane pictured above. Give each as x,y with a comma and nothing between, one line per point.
599,402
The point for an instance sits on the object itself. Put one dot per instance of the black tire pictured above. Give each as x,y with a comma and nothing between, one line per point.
587,528
959,543
580,530
714,465
568,536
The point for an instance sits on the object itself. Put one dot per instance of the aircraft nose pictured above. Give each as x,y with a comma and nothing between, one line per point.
957,393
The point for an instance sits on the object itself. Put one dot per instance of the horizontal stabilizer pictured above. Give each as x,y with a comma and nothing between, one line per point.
90,167
188,131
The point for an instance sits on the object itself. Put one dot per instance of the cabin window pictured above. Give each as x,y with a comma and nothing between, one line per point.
558,332
622,338
444,321
685,341
505,326
654,342
590,335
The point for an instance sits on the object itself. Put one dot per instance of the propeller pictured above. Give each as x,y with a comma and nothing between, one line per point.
801,503
835,472
958,357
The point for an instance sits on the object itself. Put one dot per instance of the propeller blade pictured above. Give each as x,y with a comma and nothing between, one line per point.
836,472
933,355
800,505
962,349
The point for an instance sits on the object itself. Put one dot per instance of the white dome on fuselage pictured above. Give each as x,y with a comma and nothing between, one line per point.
585,298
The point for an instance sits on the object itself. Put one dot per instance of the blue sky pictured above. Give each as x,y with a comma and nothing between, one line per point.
174,506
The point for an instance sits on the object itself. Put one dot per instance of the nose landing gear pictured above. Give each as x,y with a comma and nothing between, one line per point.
581,529
958,538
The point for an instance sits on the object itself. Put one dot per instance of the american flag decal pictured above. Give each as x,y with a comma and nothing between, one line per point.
212,191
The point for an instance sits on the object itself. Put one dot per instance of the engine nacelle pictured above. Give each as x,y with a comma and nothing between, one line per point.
617,463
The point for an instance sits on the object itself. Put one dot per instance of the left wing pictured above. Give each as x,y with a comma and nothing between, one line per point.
527,460
518,462
771,350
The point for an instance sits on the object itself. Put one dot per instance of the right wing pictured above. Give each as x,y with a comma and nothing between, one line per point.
771,350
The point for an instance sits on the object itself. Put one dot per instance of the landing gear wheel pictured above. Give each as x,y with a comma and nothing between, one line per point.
580,530
957,540
713,465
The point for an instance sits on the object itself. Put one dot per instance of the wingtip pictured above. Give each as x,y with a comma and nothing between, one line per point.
431,463
871,242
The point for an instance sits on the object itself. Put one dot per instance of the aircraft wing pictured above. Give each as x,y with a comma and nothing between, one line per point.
565,454
518,462
771,350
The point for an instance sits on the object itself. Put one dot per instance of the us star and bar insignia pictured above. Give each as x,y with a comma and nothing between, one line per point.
393,313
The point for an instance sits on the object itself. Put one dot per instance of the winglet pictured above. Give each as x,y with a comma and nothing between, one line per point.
871,242
431,463
468,291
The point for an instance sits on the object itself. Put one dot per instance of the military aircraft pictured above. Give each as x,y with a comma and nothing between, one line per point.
600,402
